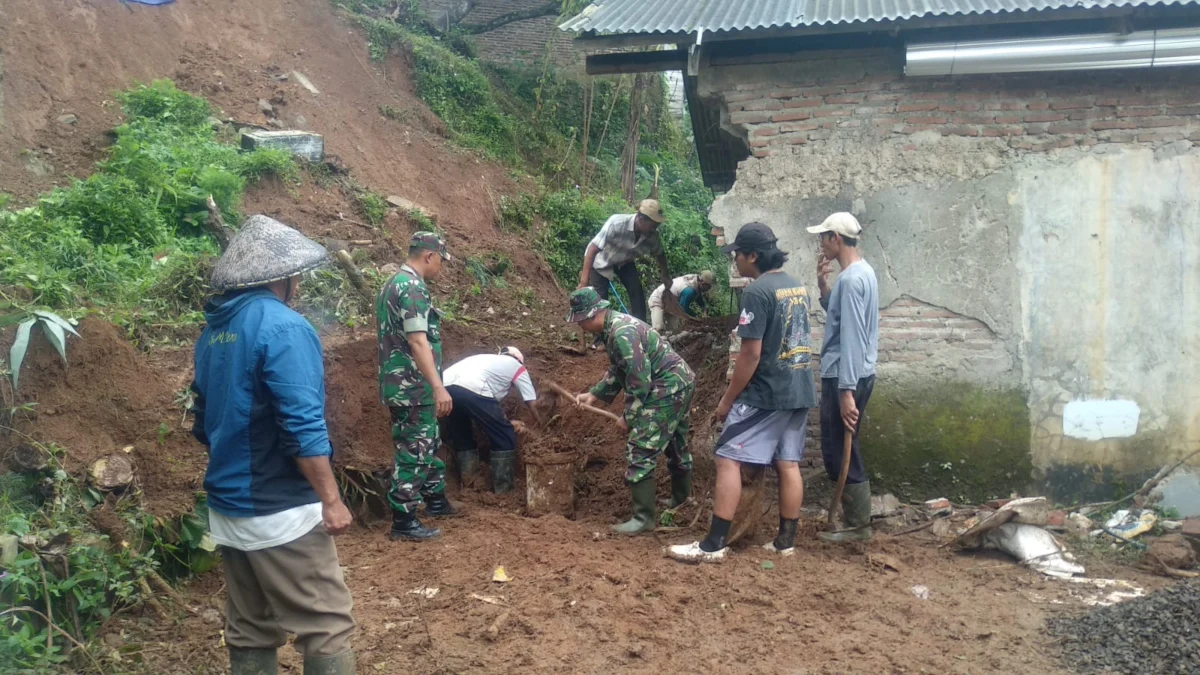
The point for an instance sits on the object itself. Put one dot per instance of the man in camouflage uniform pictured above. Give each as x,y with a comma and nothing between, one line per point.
410,384
658,388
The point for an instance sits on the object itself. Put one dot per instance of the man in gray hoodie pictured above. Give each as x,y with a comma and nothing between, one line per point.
847,364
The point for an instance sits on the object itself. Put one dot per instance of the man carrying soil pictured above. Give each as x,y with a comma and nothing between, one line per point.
658,388
410,384
765,406
273,503
847,364
614,251
477,384
689,290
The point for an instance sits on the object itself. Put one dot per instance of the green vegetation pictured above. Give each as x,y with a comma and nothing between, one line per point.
130,237
374,207
69,574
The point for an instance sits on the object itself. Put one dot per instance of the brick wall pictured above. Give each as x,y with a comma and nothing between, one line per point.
864,94
527,41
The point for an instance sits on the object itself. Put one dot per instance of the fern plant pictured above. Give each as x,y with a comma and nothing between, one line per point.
55,329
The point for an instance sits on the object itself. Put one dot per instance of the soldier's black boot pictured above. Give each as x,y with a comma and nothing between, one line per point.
405,526
440,507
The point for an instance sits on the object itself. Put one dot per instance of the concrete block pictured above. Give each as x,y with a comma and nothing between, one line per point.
303,144
8,549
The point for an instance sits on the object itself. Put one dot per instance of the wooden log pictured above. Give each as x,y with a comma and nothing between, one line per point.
216,225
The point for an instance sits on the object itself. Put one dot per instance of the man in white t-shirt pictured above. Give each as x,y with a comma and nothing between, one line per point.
477,384
689,290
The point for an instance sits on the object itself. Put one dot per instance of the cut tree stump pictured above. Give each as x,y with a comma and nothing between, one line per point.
30,458
111,473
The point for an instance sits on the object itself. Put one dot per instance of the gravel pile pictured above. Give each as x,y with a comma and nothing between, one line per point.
1158,633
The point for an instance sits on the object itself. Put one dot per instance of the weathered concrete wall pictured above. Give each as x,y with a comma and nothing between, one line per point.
1069,246
528,41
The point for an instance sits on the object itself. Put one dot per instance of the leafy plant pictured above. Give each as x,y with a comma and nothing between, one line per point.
54,327
374,207
489,269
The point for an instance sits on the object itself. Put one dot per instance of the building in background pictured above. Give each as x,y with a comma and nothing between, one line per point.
509,31
1025,175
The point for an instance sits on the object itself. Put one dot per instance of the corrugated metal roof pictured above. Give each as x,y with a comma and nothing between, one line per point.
689,16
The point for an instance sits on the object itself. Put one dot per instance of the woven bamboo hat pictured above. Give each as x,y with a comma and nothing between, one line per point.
265,250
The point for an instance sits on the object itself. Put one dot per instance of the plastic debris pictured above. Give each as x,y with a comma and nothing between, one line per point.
1033,547
768,565
425,592
500,576
1128,524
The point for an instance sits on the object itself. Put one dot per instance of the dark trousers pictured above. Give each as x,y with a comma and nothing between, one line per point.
628,274
471,408
833,430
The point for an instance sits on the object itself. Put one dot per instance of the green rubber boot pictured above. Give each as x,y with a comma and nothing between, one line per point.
502,471
338,664
252,661
644,512
467,461
856,505
681,489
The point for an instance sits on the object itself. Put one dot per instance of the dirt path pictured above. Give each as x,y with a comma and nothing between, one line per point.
581,601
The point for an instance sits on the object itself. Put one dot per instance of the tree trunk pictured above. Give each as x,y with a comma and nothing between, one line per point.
632,135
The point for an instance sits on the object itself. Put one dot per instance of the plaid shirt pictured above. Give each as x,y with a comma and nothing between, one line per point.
619,243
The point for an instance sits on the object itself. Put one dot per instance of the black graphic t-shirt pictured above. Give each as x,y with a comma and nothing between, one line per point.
775,310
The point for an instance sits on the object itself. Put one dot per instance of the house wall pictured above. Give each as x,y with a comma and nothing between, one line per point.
524,42
1036,242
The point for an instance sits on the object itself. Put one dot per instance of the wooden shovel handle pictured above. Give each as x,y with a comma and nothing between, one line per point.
590,408
847,444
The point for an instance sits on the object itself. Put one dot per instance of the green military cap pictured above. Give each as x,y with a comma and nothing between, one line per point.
429,241
585,303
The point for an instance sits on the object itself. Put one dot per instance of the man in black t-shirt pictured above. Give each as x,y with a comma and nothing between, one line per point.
765,407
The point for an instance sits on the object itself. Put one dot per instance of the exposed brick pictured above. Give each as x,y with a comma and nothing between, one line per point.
1038,105
960,131
1008,119
1160,122
1104,125
1086,142
802,103
959,107
1045,117
972,119
1185,110
879,98
1004,105
1137,112
824,91
831,112
849,124
1157,137
916,107
927,96
798,126
1118,137
762,104
762,152
786,93
1110,101
864,87
766,131
926,120
748,117
1068,129
819,135
996,132
1093,114
738,96
913,129
798,139
759,142
1075,104
1138,100
1019,144
789,116
848,100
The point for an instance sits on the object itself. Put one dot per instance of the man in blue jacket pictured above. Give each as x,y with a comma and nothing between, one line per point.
273,502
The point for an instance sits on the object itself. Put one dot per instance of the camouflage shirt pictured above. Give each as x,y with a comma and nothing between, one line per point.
403,306
641,362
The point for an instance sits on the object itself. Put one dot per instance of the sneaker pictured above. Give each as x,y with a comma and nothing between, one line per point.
694,554
770,547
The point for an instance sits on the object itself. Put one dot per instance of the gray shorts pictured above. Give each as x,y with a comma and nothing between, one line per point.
756,436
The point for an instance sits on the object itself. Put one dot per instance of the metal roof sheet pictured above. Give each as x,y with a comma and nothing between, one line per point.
689,16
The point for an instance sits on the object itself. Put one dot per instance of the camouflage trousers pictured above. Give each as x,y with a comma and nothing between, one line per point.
655,427
418,472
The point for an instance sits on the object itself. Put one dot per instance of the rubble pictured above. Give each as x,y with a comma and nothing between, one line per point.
1157,633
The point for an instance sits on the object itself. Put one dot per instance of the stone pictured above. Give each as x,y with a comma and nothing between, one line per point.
68,118
1190,527
8,549
37,166
212,616
265,106
409,205
941,528
1174,551
113,472
303,144
389,270
1079,524
218,74
304,82
274,123
884,505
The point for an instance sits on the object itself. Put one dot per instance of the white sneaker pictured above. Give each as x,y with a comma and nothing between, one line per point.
770,546
694,554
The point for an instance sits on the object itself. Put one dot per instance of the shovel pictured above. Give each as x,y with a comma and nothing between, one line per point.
592,409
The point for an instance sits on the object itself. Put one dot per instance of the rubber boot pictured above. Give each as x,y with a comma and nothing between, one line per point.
467,461
643,509
502,471
338,664
681,489
405,526
439,506
252,661
856,504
